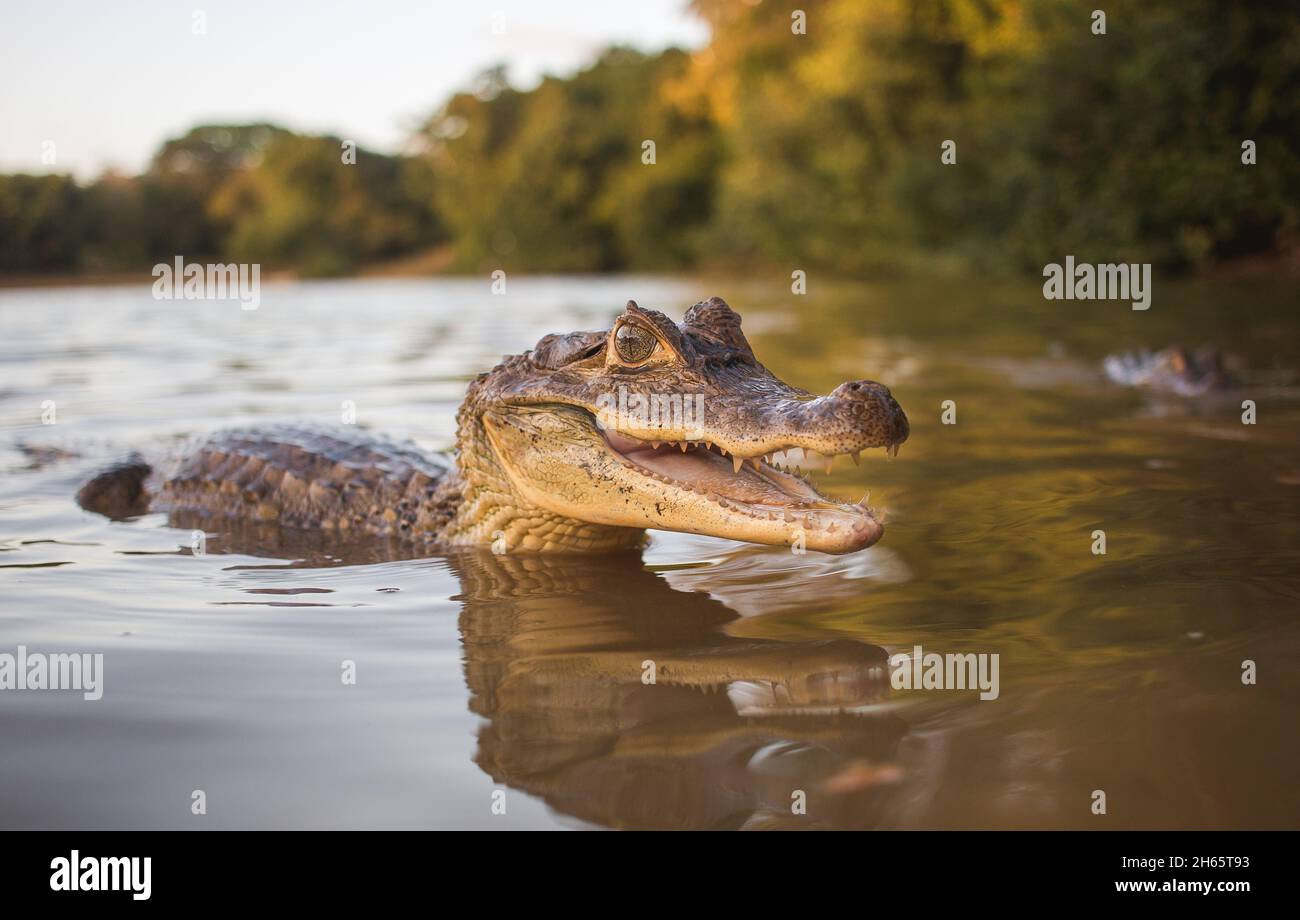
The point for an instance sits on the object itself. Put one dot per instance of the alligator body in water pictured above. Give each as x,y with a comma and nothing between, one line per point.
582,443
1171,370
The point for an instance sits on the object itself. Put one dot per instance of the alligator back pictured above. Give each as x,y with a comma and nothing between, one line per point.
336,479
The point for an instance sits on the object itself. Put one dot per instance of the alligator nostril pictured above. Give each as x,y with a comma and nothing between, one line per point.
861,390
868,388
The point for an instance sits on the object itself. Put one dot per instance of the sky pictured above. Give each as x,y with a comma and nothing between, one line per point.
102,83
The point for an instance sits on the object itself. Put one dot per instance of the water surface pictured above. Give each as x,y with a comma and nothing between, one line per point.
479,674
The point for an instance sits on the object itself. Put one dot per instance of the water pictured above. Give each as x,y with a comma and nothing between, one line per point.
477,674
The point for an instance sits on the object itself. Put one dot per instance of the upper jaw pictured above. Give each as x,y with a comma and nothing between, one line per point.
780,425
786,454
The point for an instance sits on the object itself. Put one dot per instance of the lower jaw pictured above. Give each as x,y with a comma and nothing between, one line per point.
848,532
844,538
809,521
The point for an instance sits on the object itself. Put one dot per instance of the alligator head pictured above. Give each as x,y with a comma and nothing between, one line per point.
1173,370
592,437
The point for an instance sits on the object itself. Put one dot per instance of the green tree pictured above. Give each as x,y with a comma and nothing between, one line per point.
553,179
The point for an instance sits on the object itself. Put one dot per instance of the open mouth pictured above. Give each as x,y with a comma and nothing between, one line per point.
773,486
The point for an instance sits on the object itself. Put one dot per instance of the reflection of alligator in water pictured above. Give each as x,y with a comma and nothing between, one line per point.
580,444
730,730
1171,370
555,651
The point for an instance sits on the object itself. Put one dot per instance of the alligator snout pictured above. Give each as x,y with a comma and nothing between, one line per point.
857,416
861,412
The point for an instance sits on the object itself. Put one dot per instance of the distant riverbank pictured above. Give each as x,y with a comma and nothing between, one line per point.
439,261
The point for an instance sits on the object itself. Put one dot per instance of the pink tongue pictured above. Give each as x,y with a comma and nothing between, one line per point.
623,444
710,471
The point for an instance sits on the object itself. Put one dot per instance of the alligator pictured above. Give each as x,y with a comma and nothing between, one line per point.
1172,370
580,444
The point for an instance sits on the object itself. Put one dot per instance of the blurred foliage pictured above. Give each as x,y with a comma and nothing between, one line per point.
554,179
251,193
301,205
1122,146
817,150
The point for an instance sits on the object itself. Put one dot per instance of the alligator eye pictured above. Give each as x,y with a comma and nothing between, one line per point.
634,343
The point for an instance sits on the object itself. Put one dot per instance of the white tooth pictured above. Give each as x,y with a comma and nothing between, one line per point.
830,462
863,503
737,463
655,444
856,459
754,460
682,445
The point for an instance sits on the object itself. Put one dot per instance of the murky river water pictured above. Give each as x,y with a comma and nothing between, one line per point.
475,674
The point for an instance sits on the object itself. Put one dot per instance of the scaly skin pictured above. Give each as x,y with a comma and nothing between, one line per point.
552,454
